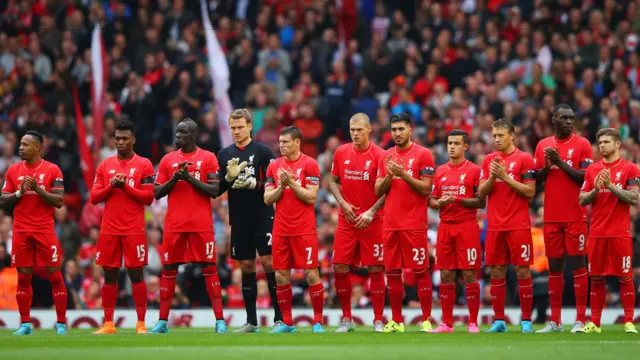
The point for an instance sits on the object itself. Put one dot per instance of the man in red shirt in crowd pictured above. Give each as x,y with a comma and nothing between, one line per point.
189,176
34,187
560,162
125,184
292,185
405,175
455,194
358,238
508,180
611,187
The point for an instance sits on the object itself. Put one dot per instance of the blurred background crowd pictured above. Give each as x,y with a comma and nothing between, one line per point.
311,63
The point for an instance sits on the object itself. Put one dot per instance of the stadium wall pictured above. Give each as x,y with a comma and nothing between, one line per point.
203,318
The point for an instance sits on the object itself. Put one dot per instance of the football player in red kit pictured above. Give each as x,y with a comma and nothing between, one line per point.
508,182
292,185
34,187
125,183
455,192
358,238
560,162
189,176
611,187
404,175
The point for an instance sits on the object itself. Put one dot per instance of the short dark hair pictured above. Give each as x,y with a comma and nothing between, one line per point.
126,125
458,132
292,131
36,135
562,106
504,124
191,124
401,117
614,133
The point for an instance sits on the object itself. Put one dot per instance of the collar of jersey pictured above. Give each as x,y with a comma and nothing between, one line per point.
613,164
407,150
190,155
125,162
506,156
459,166
32,167
357,151
291,162
566,141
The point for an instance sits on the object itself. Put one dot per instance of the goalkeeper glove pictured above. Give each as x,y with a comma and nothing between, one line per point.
245,182
234,169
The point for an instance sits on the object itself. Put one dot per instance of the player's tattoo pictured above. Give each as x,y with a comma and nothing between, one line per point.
629,196
53,198
379,204
587,198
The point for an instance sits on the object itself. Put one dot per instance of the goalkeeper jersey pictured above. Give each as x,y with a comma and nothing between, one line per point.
246,205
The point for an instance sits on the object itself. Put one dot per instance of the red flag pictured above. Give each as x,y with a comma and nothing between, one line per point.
99,68
86,160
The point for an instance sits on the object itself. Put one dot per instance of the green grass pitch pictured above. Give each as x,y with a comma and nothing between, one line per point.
192,344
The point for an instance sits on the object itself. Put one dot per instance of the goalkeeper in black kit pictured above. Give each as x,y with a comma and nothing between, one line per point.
243,170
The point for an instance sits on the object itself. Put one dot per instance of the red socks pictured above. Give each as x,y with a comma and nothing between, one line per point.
498,297
473,301
627,298
581,292
167,289
343,291
598,296
59,290
109,298
24,294
396,294
447,301
556,288
140,299
425,292
212,282
525,289
316,292
377,290
285,295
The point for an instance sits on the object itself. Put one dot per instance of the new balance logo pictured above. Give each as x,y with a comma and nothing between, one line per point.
166,256
98,255
112,172
347,162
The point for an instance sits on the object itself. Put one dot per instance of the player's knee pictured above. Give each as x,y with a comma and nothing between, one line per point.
248,266
313,276
52,269
394,272
597,278
626,278
375,268
341,268
171,267
470,276
111,276
498,271
523,272
25,270
136,275
447,276
556,265
577,262
282,277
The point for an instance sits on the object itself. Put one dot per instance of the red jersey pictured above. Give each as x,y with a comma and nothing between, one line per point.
506,210
561,193
404,208
294,217
188,210
122,214
461,181
610,215
357,172
31,213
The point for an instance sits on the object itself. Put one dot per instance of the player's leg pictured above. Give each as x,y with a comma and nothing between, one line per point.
282,264
520,244
47,255
109,256
415,256
497,256
620,261
472,290
554,246
305,256
202,246
371,246
243,250
135,259
264,245
446,263
598,270
377,288
345,252
395,287
469,259
22,257
576,244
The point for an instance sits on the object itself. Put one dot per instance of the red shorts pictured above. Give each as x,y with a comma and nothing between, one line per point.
182,248
566,238
406,249
355,247
458,246
111,249
509,247
295,252
610,256
35,249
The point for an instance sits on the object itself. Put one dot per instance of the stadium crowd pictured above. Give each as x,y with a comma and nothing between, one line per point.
449,64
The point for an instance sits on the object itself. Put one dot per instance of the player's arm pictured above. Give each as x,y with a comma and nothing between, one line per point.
164,183
383,185
53,198
586,197
576,175
144,195
210,188
224,184
487,179
628,195
524,189
10,195
272,193
422,186
99,193
589,189
307,194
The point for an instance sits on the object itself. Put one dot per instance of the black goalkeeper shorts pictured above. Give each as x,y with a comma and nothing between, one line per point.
246,239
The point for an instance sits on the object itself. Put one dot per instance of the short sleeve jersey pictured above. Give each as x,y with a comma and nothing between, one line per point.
506,209
561,193
122,214
188,210
461,181
357,171
404,208
609,215
31,213
294,217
